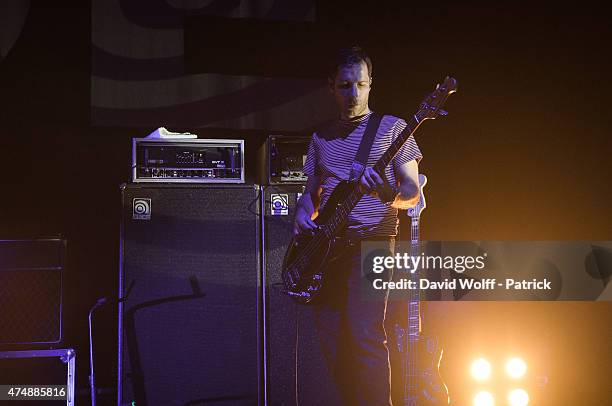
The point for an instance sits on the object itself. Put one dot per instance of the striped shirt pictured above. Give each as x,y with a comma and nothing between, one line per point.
331,154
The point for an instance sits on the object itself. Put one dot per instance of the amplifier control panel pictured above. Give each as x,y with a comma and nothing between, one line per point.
188,160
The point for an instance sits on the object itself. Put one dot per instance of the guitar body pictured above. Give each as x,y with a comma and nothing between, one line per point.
433,390
307,255
420,358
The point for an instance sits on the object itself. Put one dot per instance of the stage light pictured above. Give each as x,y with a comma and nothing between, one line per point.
481,369
516,368
483,398
518,397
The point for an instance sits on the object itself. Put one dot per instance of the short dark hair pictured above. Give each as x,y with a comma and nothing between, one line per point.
349,56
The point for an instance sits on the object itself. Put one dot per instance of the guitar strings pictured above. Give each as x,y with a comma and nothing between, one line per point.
315,243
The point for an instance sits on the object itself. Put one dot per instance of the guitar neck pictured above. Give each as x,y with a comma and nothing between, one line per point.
414,303
385,159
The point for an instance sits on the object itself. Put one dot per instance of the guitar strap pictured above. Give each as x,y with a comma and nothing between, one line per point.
361,158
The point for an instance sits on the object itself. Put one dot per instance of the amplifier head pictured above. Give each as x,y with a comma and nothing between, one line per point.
187,160
283,159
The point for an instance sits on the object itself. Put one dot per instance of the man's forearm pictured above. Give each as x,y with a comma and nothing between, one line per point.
310,199
306,204
407,197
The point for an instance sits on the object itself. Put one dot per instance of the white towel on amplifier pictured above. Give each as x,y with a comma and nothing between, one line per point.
163,133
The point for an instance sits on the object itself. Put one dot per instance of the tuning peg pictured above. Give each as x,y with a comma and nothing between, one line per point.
442,112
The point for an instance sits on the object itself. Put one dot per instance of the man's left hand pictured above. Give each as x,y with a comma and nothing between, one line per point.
372,183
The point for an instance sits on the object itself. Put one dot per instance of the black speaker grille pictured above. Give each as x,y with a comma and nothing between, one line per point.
284,317
31,291
191,321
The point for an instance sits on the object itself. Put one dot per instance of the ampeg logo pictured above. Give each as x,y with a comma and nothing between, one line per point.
279,204
141,209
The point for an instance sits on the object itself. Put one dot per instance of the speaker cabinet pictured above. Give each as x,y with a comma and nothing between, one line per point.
31,291
296,372
189,317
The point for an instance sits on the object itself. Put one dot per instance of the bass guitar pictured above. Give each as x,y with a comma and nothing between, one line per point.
304,262
420,355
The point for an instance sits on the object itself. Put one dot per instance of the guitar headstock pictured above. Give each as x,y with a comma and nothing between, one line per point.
431,107
415,212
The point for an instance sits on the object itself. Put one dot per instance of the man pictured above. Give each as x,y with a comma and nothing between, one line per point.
350,327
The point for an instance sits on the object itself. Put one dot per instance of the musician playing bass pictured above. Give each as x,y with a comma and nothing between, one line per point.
350,327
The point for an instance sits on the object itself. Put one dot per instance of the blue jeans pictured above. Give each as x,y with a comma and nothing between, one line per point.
352,333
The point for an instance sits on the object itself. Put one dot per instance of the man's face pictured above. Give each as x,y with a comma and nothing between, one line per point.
351,90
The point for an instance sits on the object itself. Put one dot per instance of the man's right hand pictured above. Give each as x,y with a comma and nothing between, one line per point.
306,207
303,223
